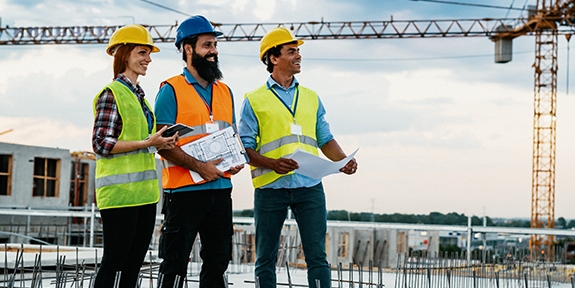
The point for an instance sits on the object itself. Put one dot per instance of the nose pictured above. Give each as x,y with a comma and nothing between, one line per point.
214,49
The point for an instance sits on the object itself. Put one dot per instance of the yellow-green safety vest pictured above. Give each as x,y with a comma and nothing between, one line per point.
275,139
127,179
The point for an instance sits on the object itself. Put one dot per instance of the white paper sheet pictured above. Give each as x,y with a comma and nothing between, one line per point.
224,144
316,167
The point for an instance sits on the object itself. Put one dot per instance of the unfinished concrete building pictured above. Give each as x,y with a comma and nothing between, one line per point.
33,177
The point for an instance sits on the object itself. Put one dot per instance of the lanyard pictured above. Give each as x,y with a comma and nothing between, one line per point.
294,102
208,105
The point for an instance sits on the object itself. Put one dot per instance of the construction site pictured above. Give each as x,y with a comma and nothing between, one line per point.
51,229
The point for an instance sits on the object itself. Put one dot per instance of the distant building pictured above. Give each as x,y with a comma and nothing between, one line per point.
47,177
44,178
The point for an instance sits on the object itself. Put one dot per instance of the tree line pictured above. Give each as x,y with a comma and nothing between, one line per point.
431,218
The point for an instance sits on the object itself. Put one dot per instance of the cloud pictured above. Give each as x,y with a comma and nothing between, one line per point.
45,131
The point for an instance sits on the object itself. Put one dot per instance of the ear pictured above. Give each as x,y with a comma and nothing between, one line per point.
273,59
188,49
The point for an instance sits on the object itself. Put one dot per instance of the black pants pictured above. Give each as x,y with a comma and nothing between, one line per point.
207,212
127,234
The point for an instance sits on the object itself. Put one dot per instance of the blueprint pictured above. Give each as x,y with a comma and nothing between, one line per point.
224,144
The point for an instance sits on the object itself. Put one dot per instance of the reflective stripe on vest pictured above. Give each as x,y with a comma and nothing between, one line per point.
130,178
126,178
287,140
201,129
275,139
192,111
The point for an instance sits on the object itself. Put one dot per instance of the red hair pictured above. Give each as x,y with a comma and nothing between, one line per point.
121,57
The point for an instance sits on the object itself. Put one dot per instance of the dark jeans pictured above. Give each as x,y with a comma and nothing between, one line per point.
208,213
308,207
127,234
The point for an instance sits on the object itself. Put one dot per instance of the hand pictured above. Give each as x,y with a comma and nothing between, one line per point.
162,143
235,170
350,167
284,165
209,171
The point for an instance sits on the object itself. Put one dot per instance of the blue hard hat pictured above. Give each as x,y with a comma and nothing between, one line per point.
192,26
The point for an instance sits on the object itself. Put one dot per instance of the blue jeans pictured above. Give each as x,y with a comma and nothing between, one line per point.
308,207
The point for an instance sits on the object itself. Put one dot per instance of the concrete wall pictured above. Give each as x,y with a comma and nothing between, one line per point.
23,175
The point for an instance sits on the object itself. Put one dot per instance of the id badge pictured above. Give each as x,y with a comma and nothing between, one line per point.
212,127
295,129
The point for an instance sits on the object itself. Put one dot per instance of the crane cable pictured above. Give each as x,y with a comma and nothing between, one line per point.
470,4
568,37
508,10
165,7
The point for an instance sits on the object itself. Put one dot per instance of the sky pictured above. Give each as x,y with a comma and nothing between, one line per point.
440,127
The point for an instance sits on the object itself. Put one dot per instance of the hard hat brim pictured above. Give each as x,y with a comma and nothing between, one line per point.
110,49
263,53
216,33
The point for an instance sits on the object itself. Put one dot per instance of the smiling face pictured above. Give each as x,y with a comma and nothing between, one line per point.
137,63
203,58
207,47
289,61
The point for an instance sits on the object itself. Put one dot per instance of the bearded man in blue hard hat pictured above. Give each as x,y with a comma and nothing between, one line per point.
196,98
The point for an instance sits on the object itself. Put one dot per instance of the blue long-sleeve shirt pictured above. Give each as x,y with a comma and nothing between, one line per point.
249,127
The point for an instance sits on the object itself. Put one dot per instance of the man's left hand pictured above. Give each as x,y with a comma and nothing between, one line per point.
350,167
235,170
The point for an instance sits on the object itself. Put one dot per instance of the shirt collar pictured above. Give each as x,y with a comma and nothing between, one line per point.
135,88
272,83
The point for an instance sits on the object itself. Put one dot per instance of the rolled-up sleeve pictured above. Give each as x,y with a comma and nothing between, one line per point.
248,127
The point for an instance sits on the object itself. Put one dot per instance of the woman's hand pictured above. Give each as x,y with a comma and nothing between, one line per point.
163,143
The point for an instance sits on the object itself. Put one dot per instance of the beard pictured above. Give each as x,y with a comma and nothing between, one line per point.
208,70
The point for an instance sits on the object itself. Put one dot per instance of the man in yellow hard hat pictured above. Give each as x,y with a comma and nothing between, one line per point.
196,98
276,119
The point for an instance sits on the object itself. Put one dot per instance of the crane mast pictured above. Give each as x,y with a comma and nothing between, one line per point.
544,138
544,127
550,19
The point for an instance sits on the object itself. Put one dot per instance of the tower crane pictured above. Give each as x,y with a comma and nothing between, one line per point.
549,19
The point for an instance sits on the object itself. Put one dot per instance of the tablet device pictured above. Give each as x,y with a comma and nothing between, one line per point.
180,128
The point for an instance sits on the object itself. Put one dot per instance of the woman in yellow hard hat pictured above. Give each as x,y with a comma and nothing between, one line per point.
124,139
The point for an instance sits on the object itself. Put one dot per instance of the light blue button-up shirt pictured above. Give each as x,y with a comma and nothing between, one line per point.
248,129
166,111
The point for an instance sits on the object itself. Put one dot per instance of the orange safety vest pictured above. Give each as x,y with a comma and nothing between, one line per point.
191,113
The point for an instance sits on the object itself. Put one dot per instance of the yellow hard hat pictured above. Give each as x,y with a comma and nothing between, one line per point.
276,37
131,34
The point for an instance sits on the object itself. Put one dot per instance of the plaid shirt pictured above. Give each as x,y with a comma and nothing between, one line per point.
108,123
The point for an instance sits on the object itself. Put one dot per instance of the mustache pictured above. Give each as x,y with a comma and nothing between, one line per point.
211,55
